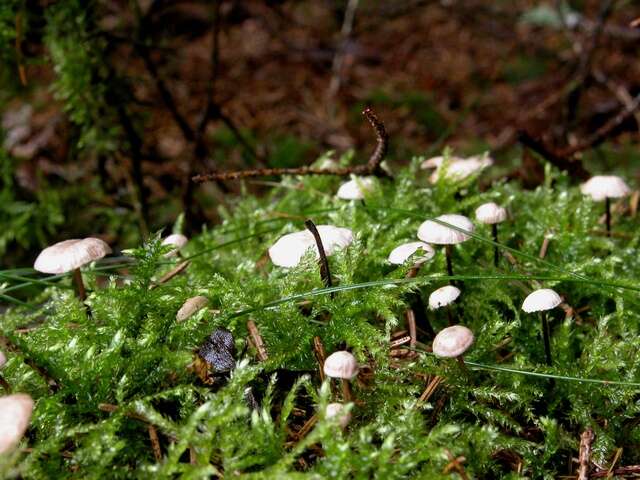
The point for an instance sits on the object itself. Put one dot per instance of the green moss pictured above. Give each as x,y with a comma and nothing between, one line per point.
130,351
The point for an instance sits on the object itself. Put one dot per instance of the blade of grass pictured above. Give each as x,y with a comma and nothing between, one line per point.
420,280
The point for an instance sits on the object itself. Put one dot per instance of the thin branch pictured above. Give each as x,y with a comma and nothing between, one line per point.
257,340
603,132
325,273
372,167
560,160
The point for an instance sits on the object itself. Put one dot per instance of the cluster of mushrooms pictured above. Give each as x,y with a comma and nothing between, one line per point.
447,230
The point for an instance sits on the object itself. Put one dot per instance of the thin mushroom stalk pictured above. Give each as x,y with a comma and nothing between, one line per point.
346,390
605,187
5,385
492,214
399,256
546,337
447,230
448,253
607,215
541,301
81,291
494,232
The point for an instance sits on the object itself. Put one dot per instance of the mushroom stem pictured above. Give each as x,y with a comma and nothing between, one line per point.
607,207
80,290
420,311
417,305
449,315
545,336
4,384
346,390
463,366
448,253
324,263
494,231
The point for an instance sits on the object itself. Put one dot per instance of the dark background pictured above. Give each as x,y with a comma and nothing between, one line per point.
109,107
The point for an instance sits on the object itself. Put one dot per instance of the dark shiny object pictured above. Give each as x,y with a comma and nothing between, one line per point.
219,351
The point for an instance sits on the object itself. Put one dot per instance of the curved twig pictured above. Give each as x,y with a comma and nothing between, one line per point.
372,167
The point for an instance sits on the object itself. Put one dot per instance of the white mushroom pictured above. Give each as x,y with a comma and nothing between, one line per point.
403,252
601,187
605,187
431,231
289,249
436,162
71,255
343,365
492,214
356,188
191,306
338,410
457,169
176,240
541,301
3,359
15,414
436,233
443,296
452,341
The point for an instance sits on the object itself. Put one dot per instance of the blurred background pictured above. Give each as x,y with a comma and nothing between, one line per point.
108,107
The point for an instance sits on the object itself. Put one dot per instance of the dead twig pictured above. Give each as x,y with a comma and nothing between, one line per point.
170,274
155,442
618,472
544,247
455,464
559,159
320,354
601,134
372,167
586,442
325,273
430,389
258,343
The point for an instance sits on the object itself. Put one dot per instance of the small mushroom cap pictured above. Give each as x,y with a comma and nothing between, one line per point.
3,359
68,255
436,162
433,232
605,186
356,188
15,413
459,168
541,300
491,213
341,364
290,248
191,306
174,240
443,296
337,410
403,252
452,341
